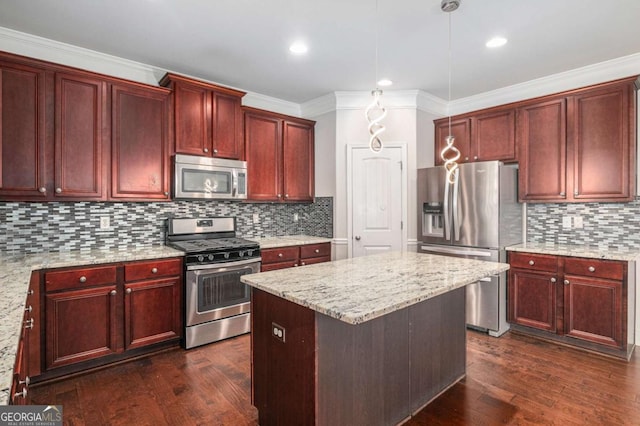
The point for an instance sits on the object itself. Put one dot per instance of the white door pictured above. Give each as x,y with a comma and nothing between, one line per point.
377,191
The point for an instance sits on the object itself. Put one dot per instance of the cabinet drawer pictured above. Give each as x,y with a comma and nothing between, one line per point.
594,268
280,254
538,262
77,278
312,260
279,265
315,250
152,269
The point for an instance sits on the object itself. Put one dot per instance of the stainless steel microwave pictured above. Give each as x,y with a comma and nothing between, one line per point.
209,178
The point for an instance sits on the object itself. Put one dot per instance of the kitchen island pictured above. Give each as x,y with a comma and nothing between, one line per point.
368,340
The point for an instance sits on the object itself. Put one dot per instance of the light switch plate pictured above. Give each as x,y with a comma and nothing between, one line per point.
577,222
105,223
566,222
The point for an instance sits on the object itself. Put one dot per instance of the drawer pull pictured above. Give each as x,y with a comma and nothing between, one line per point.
22,394
58,190
128,291
26,381
83,279
553,279
531,262
566,282
302,263
30,292
592,269
317,250
280,254
42,190
112,292
28,308
154,270
29,323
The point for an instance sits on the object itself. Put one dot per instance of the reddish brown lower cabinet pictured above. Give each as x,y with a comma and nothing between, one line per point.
578,301
101,314
292,256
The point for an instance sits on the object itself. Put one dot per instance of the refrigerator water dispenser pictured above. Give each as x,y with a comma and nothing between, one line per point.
432,220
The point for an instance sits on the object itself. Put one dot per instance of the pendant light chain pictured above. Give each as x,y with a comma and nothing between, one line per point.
375,112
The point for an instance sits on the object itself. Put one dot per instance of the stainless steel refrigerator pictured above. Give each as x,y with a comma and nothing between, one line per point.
476,217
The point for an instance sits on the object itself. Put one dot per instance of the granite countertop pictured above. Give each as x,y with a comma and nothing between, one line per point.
593,252
15,273
360,289
290,240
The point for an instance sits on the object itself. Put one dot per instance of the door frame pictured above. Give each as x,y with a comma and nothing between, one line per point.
403,194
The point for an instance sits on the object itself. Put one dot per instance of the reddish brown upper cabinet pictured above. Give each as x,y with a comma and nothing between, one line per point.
23,170
80,137
207,119
579,146
140,158
280,157
578,301
479,136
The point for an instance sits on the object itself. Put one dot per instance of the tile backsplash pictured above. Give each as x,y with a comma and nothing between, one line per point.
613,225
42,227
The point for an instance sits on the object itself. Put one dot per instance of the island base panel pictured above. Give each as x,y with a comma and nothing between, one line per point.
329,372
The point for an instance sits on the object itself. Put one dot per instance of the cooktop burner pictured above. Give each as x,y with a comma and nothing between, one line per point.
210,240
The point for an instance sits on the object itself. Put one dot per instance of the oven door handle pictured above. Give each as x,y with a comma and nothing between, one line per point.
224,266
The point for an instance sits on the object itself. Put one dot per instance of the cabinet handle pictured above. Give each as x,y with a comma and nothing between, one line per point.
42,189
30,292
28,308
154,270
531,262
295,264
166,193
466,158
317,250
83,279
302,263
22,394
206,150
286,195
592,269
553,280
566,282
357,237
112,292
29,323
562,194
576,193
475,157
26,381
128,291
58,190
279,195
215,151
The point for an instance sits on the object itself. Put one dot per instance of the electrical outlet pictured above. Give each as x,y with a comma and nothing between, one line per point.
577,222
256,218
277,331
295,217
105,222
566,222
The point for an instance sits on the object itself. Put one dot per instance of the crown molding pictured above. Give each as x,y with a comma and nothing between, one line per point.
319,106
257,100
613,69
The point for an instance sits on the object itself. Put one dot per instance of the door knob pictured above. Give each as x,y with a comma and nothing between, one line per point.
357,237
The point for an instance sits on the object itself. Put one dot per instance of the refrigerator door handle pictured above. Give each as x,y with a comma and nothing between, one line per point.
461,252
445,211
456,216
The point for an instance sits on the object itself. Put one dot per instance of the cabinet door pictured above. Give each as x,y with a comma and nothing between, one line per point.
79,137
192,115
22,132
461,131
227,126
542,151
298,161
140,154
81,325
601,130
532,299
494,136
263,148
593,310
152,312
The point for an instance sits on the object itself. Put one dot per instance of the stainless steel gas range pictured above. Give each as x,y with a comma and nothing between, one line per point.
217,304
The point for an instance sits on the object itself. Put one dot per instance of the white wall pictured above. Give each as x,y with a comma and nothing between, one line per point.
325,154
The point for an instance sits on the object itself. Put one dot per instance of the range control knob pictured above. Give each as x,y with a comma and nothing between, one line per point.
226,255
210,257
200,258
241,253
250,253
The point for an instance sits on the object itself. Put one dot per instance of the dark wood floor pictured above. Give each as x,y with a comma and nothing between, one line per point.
511,380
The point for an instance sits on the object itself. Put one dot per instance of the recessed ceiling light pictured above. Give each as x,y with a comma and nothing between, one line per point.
496,42
384,82
298,48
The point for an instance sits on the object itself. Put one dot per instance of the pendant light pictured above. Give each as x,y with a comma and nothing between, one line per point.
375,112
450,154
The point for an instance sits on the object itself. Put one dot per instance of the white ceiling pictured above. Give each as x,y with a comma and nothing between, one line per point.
244,43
